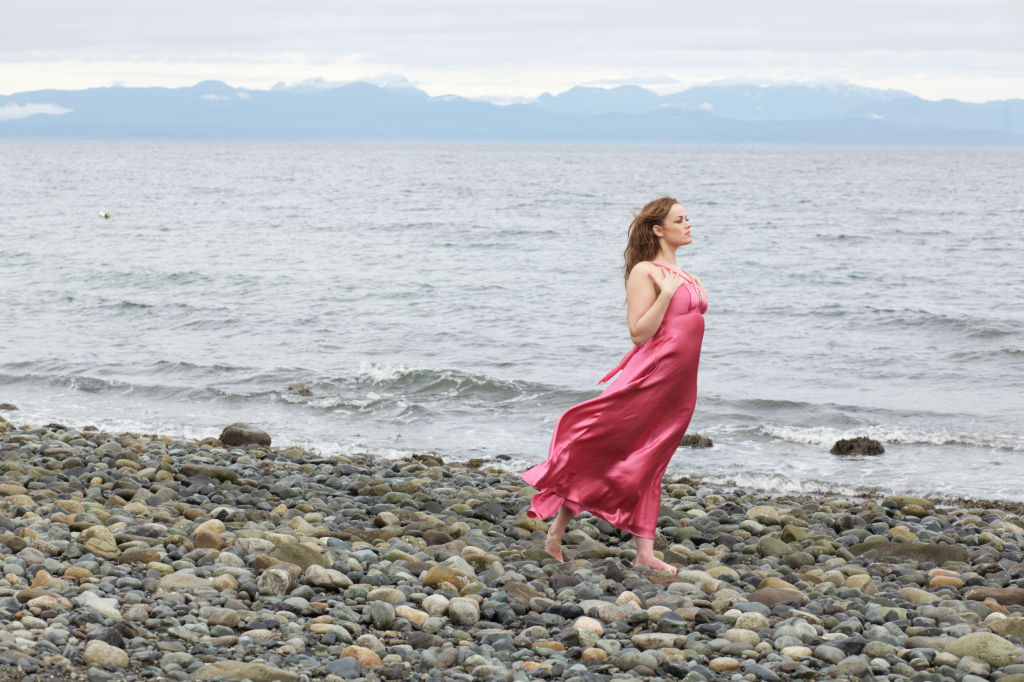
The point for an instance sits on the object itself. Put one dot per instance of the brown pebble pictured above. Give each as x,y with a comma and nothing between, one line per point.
42,579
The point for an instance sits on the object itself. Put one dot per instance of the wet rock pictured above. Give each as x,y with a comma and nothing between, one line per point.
861,445
300,388
242,434
695,440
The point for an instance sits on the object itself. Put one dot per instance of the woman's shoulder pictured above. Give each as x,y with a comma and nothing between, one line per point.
643,266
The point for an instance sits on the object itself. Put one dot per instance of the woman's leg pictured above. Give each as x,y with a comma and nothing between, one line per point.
645,555
553,545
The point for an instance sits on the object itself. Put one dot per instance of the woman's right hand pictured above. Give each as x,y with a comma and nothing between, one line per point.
666,280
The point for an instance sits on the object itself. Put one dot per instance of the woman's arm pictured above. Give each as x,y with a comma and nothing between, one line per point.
648,293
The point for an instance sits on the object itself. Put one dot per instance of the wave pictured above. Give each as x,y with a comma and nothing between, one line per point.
825,435
968,325
780,484
372,385
453,384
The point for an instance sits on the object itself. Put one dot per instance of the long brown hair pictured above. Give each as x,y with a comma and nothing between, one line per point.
642,243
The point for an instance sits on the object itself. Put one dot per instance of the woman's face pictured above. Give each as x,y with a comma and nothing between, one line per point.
675,228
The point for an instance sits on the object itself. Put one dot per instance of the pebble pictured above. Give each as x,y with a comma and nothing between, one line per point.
130,557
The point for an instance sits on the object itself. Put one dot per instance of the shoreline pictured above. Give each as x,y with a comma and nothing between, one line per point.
866,492
186,560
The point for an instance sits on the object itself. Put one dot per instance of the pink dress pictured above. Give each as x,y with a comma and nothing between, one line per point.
608,454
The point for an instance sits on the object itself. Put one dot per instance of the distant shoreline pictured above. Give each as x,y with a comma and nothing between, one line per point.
785,116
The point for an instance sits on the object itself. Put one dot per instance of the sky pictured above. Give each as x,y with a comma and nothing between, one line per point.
970,50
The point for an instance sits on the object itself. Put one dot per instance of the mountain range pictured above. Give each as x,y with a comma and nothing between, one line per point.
392,110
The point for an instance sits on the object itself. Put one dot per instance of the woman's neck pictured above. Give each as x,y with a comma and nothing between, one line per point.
666,257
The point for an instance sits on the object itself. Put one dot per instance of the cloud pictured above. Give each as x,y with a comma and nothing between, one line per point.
318,84
216,98
638,80
13,112
940,48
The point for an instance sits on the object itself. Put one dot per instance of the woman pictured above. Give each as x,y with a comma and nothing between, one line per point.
608,454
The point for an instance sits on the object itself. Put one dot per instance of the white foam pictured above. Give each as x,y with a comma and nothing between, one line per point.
825,435
777,483
380,374
116,426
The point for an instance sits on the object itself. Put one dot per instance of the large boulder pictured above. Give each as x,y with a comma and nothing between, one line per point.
243,434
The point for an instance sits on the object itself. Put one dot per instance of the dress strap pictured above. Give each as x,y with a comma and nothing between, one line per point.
690,281
621,365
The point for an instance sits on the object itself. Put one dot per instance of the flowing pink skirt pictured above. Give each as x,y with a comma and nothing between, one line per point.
608,454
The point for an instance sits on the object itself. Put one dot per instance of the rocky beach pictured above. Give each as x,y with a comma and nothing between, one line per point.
134,557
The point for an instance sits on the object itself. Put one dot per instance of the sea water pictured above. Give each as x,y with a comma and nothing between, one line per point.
457,299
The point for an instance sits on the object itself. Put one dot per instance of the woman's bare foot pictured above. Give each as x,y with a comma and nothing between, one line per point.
655,563
553,543
645,556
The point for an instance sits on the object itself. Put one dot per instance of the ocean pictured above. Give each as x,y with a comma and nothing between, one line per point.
457,299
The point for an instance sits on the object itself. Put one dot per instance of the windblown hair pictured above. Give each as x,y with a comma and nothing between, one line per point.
642,243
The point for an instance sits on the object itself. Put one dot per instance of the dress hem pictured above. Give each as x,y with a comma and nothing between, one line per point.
533,514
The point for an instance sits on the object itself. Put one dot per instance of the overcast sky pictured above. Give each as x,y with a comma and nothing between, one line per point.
971,50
